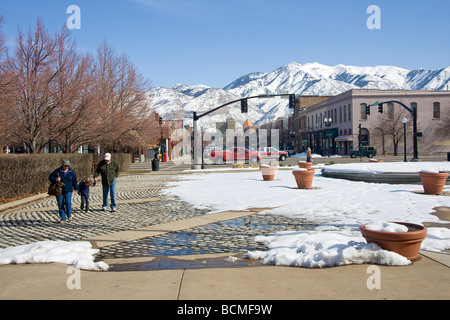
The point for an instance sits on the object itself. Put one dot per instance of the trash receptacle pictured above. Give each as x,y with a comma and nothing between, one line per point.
155,165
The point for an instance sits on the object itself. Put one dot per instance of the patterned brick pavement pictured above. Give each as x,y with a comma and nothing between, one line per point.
140,204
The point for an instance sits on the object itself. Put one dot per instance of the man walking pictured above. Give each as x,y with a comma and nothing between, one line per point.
109,171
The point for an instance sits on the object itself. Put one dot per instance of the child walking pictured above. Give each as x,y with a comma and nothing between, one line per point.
84,193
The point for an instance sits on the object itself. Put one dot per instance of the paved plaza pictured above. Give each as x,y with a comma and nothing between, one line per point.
159,247
140,205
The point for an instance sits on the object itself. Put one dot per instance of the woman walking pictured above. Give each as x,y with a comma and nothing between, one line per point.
66,175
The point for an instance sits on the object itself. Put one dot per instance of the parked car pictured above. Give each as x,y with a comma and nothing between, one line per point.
235,154
208,150
290,152
368,152
272,153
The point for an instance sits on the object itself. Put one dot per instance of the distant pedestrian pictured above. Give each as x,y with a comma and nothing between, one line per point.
84,193
308,155
66,175
109,171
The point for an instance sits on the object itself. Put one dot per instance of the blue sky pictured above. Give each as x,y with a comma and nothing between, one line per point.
213,42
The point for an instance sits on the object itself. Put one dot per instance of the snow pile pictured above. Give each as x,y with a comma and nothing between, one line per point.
77,254
386,227
312,249
380,167
338,206
303,155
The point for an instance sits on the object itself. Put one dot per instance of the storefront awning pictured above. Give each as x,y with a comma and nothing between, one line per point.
344,138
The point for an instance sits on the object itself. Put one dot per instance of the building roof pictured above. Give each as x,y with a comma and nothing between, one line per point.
247,124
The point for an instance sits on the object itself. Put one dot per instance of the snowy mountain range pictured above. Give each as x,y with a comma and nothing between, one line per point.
181,101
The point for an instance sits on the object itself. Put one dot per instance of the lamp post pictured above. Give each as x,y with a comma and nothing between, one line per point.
404,120
327,122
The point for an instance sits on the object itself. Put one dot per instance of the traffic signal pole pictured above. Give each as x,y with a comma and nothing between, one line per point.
413,111
198,144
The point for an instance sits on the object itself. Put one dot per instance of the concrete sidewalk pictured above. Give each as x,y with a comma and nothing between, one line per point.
424,279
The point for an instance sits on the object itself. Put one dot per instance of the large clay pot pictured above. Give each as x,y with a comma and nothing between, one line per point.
268,172
304,177
433,182
406,244
304,164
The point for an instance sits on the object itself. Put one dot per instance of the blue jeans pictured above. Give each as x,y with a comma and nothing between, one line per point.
65,205
112,190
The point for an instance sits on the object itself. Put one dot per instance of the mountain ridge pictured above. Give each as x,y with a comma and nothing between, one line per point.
180,101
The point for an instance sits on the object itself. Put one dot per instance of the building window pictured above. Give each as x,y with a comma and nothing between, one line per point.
340,114
390,111
436,110
349,112
363,111
345,113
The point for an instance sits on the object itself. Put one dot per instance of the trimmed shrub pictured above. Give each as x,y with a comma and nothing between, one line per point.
26,174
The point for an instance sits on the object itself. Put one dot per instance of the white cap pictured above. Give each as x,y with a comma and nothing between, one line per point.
107,156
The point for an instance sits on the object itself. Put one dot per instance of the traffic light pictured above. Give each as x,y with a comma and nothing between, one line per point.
368,110
160,120
244,106
380,108
292,101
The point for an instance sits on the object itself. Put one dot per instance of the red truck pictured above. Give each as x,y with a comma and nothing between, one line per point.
235,154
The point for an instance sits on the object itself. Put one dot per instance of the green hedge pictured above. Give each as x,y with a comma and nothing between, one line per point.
22,175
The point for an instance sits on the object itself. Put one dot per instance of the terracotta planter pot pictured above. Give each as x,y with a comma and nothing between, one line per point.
268,172
304,178
406,244
433,182
303,164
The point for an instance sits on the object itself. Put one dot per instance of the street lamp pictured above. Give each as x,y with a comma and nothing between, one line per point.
404,120
327,122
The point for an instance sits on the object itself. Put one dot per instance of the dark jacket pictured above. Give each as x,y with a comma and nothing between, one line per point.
69,179
84,189
108,171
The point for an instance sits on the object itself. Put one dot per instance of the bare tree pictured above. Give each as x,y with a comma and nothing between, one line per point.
121,99
391,125
442,129
32,66
73,119
62,99
6,93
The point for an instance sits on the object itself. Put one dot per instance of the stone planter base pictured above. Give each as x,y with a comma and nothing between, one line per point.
304,178
268,172
306,165
433,182
406,244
